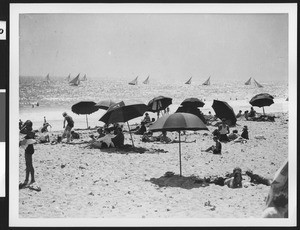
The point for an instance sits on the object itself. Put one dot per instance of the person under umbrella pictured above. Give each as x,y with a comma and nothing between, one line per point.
262,100
84,107
178,122
158,104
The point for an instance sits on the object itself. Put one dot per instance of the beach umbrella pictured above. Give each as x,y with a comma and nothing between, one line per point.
224,110
178,122
105,104
123,113
84,107
159,103
192,102
261,100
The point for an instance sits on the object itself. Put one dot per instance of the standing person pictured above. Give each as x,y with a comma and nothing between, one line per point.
70,125
224,130
29,150
147,118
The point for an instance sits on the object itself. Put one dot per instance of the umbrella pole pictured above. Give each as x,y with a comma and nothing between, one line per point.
130,134
179,153
264,110
87,123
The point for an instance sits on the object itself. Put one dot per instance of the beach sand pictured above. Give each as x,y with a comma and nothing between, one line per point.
92,183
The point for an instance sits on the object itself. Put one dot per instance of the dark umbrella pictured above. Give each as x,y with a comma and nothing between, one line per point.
105,104
124,114
261,100
84,107
192,102
159,103
224,110
178,122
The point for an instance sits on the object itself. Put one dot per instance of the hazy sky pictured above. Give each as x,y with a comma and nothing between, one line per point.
174,46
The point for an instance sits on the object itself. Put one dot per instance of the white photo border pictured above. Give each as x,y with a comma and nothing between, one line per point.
17,9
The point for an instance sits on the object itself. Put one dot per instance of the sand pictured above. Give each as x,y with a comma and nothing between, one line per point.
93,183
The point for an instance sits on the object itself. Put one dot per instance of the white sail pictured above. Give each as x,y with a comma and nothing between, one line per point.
248,82
75,81
146,81
84,78
68,77
47,79
134,82
189,81
207,82
257,84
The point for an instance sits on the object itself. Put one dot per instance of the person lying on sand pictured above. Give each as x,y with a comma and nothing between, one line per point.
216,149
102,142
257,179
236,180
280,207
234,135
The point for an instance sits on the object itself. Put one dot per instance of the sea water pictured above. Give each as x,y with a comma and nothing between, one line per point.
57,96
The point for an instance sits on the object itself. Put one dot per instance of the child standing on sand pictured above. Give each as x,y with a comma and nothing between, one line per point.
29,150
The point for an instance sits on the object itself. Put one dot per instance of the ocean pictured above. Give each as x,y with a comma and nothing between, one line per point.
57,96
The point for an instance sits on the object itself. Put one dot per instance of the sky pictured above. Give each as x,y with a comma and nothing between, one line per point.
171,46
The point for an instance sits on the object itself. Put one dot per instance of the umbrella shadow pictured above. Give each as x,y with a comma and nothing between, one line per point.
189,182
129,149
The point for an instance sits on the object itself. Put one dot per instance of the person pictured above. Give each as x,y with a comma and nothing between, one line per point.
118,140
234,135
280,207
146,119
236,180
100,132
20,124
245,133
74,135
142,129
26,127
246,115
252,112
29,150
164,138
43,138
45,127
70,125
239,114
224,130
217,148
168,110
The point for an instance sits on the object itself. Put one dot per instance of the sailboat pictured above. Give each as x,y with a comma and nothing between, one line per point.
146,81
257,84
189,81
75,81
207,82
134,82
68,77
47,79
248,82
84,78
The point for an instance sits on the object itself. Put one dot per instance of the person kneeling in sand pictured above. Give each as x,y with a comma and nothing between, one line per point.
280,207
216,149
236,180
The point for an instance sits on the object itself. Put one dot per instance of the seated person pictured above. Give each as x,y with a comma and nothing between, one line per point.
118,140
216,149
257,179
239,114
150,123
164,138
252,112
45,127
234,135
246,115
100,132
280,208
74,135
236,180
43,138
142,129
245,133
146,118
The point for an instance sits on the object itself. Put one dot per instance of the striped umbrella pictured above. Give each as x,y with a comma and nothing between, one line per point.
178,122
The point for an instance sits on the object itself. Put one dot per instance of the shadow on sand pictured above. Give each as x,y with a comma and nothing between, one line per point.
179,181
